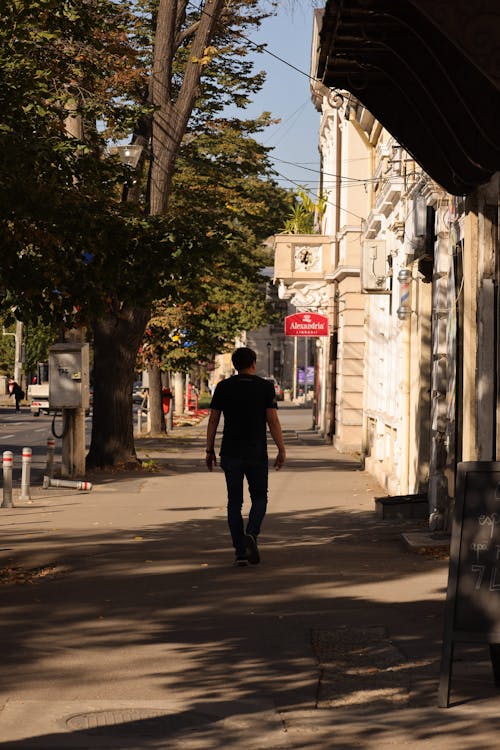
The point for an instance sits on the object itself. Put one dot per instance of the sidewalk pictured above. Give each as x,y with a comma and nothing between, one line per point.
124,624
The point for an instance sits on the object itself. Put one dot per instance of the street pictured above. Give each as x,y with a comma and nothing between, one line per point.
20,430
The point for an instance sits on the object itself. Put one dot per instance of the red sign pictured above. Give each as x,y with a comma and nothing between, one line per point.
306,324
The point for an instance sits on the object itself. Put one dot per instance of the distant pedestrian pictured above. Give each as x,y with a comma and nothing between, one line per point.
248,403
166,398
16,391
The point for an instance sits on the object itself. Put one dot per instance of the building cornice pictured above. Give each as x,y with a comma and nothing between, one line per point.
341,273
348,229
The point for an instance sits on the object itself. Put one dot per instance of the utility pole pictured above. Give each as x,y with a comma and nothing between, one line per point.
294,387
18,350
73,439
19,355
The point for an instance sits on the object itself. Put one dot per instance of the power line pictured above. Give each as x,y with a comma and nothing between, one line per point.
260,47
345,161
292,119
326,174
328,202
263,49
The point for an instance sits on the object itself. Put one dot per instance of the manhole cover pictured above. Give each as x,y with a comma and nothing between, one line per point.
139,721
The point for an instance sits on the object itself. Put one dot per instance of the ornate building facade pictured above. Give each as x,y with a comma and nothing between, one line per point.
428,240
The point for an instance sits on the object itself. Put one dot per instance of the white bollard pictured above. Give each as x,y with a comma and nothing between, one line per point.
71,484
8,459
25,474
51,446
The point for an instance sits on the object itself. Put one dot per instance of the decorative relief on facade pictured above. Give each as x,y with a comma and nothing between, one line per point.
309,296
398,228
306,258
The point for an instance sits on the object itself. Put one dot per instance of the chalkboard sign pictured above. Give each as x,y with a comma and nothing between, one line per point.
473,600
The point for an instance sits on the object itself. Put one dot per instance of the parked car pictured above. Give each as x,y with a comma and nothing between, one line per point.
280,395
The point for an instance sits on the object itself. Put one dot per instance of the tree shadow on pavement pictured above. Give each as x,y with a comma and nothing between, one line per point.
163,615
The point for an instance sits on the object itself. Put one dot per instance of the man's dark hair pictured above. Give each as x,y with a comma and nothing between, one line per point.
243,358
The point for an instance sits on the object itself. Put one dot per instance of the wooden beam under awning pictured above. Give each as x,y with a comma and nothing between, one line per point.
420,83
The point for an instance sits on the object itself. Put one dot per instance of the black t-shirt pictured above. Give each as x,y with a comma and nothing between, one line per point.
244,399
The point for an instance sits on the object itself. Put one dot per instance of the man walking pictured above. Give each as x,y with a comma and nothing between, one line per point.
248,403
16,391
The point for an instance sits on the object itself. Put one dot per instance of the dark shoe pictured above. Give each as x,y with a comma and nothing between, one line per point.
241,562
251,549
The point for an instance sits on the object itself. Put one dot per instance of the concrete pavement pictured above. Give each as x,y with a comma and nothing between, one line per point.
124,624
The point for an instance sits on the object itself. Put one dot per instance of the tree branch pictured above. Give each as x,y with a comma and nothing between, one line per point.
181,16
183,35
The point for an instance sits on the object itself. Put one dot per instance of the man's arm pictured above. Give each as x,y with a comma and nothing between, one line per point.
213,423
277,435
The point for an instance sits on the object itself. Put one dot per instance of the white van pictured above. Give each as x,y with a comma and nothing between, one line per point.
38,397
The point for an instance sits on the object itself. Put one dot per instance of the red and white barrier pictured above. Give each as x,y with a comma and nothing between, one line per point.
8,460
69,483
25,474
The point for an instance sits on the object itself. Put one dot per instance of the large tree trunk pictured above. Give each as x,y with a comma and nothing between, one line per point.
116,341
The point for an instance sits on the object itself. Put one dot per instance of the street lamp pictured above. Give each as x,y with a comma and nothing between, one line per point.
128,155
269,358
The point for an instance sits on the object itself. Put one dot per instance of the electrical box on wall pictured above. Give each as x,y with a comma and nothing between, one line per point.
374,267
69,376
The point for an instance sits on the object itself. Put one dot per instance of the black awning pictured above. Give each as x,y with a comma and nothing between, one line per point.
410,68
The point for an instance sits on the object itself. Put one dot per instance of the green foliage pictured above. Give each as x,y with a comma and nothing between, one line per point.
224,177
181,336
305,214
58,197
221,296
71,248
223,195
38,337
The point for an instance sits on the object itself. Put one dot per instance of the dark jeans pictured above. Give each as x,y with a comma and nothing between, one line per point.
235,470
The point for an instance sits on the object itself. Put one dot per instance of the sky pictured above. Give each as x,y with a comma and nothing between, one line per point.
286,94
